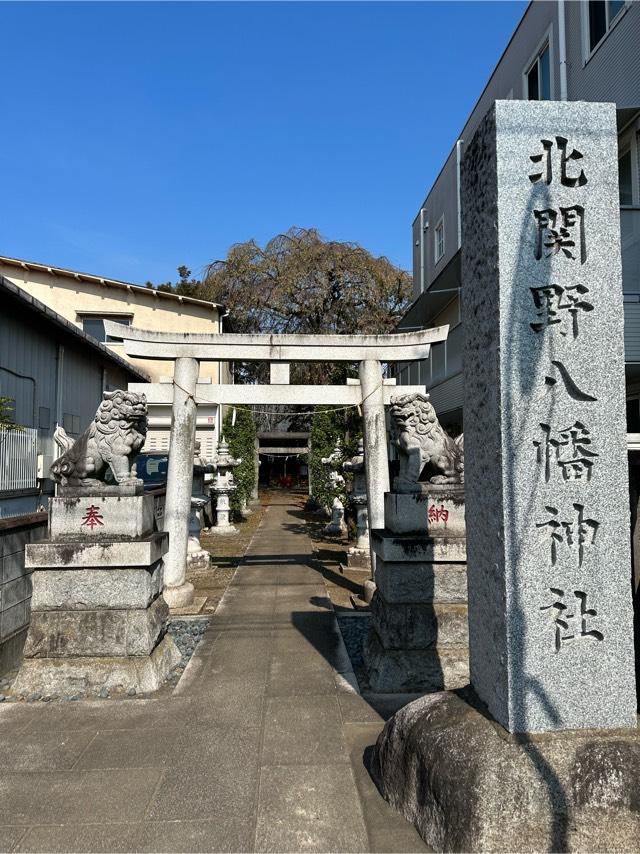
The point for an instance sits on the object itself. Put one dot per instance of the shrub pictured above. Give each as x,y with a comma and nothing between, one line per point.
241,437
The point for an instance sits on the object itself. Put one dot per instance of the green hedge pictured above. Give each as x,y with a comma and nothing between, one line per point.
330,425
241,438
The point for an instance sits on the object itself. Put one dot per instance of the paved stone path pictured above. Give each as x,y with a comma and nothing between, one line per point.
260,748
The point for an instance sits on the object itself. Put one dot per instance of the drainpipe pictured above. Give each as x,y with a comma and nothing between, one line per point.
59,382
562,50
421,250
459,144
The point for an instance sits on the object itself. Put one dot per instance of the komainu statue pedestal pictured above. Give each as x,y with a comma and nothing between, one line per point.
419,637
98,618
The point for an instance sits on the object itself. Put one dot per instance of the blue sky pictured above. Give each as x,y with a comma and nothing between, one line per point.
140,136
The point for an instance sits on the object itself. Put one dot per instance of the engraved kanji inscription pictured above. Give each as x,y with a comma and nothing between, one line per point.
576,534
545,159
558,306
570,386
571,622
560,231
567,451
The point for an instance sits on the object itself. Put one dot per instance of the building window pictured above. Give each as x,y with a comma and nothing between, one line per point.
602,14
539,77
625,178
93,324
439,240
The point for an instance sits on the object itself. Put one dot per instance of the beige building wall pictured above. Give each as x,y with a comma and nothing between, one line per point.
76,296
75,299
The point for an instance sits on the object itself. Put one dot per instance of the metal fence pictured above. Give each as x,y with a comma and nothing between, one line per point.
18,459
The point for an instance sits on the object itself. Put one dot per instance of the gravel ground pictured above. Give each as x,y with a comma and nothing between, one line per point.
354,629
186,633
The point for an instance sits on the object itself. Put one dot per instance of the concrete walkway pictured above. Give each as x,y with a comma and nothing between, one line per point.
260,748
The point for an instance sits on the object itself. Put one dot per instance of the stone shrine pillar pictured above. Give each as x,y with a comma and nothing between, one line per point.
546,460
178,592
547,510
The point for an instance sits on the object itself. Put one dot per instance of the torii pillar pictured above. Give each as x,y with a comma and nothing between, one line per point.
375,439
178,592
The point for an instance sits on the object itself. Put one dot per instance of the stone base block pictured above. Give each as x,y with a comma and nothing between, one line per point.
436,512
419,625
116,553
411,548
57,634
179,596
422,582
87,589
198,559
100,517
467,785
399,671
79,675
224,530
358,559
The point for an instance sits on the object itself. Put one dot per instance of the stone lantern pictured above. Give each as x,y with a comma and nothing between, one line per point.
336,526
359,555
222,487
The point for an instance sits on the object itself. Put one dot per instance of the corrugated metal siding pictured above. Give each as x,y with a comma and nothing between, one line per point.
632,331
27,351
612,73
447,395
82,388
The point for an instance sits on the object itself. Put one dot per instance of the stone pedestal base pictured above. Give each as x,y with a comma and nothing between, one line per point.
197,559
224,530
98,617
411,671
419,633
179,596
90,674
358,559
468,785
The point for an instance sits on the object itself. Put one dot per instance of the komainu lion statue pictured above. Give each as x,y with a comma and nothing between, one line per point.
112,441
422,442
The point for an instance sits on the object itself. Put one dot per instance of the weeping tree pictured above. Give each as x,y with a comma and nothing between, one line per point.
299,282
241,437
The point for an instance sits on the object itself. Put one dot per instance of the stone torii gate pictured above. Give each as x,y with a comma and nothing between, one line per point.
187,350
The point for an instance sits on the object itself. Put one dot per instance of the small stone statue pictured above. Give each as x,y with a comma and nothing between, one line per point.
358,496
112,440
423,444
336,527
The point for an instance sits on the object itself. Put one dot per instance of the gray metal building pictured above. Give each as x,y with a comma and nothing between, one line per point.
55,374
584,50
